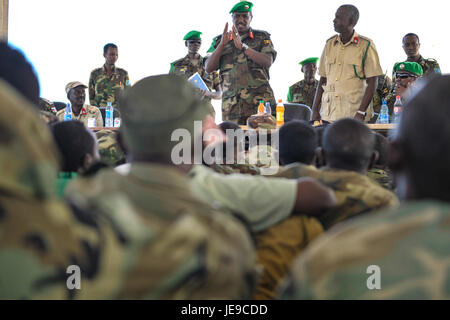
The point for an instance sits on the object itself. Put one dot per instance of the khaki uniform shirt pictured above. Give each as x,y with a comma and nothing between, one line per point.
250,197
86,113
344,91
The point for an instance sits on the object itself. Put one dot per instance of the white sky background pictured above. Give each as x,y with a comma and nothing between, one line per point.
64,39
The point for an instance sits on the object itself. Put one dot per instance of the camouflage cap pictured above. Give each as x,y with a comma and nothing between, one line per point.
243,6
154,108
309,60
192,35
74,84
412,67
108,147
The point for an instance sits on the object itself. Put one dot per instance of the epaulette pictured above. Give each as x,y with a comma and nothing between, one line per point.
431,60
260,31
177,61
365,38
332,37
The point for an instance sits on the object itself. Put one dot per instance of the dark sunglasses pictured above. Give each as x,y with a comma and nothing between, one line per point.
195,41
404,75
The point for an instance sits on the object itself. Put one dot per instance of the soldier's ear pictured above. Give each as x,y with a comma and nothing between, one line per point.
185,43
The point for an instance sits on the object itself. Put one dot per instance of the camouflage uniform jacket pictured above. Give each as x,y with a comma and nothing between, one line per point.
409,245
184,67
192,251
104,88
37,249
235,168
244,82
382,177
356,194
108,147
302,92
276,249
87,112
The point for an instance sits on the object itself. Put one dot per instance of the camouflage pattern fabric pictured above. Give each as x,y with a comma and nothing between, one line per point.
356,194
235,168
302,92
276,249
382,177
37,248
192,251
381,93
244,82
47,105
108,147
104,88
48,117
122,250
408,244
186,68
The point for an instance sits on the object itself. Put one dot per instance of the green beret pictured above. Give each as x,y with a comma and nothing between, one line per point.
309,60
154,107
192,35
242,6
412,67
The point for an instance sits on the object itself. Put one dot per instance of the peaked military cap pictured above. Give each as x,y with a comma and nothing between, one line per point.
309,60
412,67
242,6
192,35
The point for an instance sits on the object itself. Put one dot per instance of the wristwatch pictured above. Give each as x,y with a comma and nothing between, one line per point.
244,47
362,112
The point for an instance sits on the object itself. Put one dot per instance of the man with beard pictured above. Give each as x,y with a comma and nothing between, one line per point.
349,69
304,91
243,56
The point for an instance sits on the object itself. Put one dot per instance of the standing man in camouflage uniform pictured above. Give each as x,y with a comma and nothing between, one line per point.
349,69
411,45
106,82
194,62
401,253
303,92
243,56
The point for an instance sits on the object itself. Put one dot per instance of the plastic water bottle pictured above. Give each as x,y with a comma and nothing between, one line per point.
109,115
398,107
384,113
68,112
268,109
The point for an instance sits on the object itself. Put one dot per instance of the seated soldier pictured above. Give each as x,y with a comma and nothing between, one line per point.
223,163
401,253
348,152
79,150
406,74
348,149
379,171
196,252
89,115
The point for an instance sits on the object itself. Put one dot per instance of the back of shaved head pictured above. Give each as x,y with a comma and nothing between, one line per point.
348,144
424,138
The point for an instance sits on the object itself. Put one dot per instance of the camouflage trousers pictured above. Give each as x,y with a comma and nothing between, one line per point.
245,103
